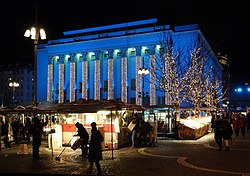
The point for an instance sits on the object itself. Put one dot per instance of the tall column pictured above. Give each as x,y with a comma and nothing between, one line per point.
97,75
124,76
84,76
72,78
152,75
110,74
137,76
61,79
50,79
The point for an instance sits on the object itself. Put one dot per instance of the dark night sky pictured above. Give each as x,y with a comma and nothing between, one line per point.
224,25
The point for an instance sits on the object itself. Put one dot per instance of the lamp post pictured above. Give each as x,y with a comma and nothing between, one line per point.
34,34
143,71
13,85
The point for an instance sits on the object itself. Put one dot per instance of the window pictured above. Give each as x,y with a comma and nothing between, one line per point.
133,85
119,53
146,51
106,55
132,100
105,89
132,53
80,87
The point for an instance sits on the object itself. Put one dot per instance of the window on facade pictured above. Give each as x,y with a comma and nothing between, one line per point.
132,53
105,89
132,100
119,53
80,87
93,57
106,55
146,51
133,85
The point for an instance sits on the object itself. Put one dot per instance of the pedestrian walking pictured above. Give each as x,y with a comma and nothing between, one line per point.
242,124
95,149
227,131
84,137
218,131
37,132
236,125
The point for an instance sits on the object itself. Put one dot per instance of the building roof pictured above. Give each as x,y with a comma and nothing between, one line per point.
88,106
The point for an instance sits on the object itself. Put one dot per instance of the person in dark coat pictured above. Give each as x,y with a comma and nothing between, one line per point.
95,149
84,136
15,129
37,132
218,131
4,133
227,131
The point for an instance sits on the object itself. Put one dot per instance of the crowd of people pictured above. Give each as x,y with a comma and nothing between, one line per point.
15,131
228,126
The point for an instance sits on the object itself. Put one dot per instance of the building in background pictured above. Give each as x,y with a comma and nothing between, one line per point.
102,63
16,84
226,79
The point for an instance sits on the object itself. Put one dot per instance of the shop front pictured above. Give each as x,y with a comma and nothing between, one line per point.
112,120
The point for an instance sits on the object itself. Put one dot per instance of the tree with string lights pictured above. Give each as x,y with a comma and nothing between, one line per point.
205,88
187,77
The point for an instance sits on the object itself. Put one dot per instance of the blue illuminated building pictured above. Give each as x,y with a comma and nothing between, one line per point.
103,62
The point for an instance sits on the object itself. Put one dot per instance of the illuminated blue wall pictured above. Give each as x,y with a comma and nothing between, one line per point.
143,33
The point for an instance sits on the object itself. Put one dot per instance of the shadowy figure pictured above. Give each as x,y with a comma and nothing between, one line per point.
95,149
135,130
236,125
242,124
84,136
4,134
227,131
15,129
218,131
37,132
27,126
248,120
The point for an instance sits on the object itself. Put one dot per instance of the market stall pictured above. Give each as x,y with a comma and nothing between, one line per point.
112,119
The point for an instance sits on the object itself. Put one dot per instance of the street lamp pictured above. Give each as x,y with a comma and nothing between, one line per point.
143,71
34,34
13,85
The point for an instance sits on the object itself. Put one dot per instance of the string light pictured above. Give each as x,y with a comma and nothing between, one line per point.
110,77
85,79
124,75
50,81
97,79
61,80
72,79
